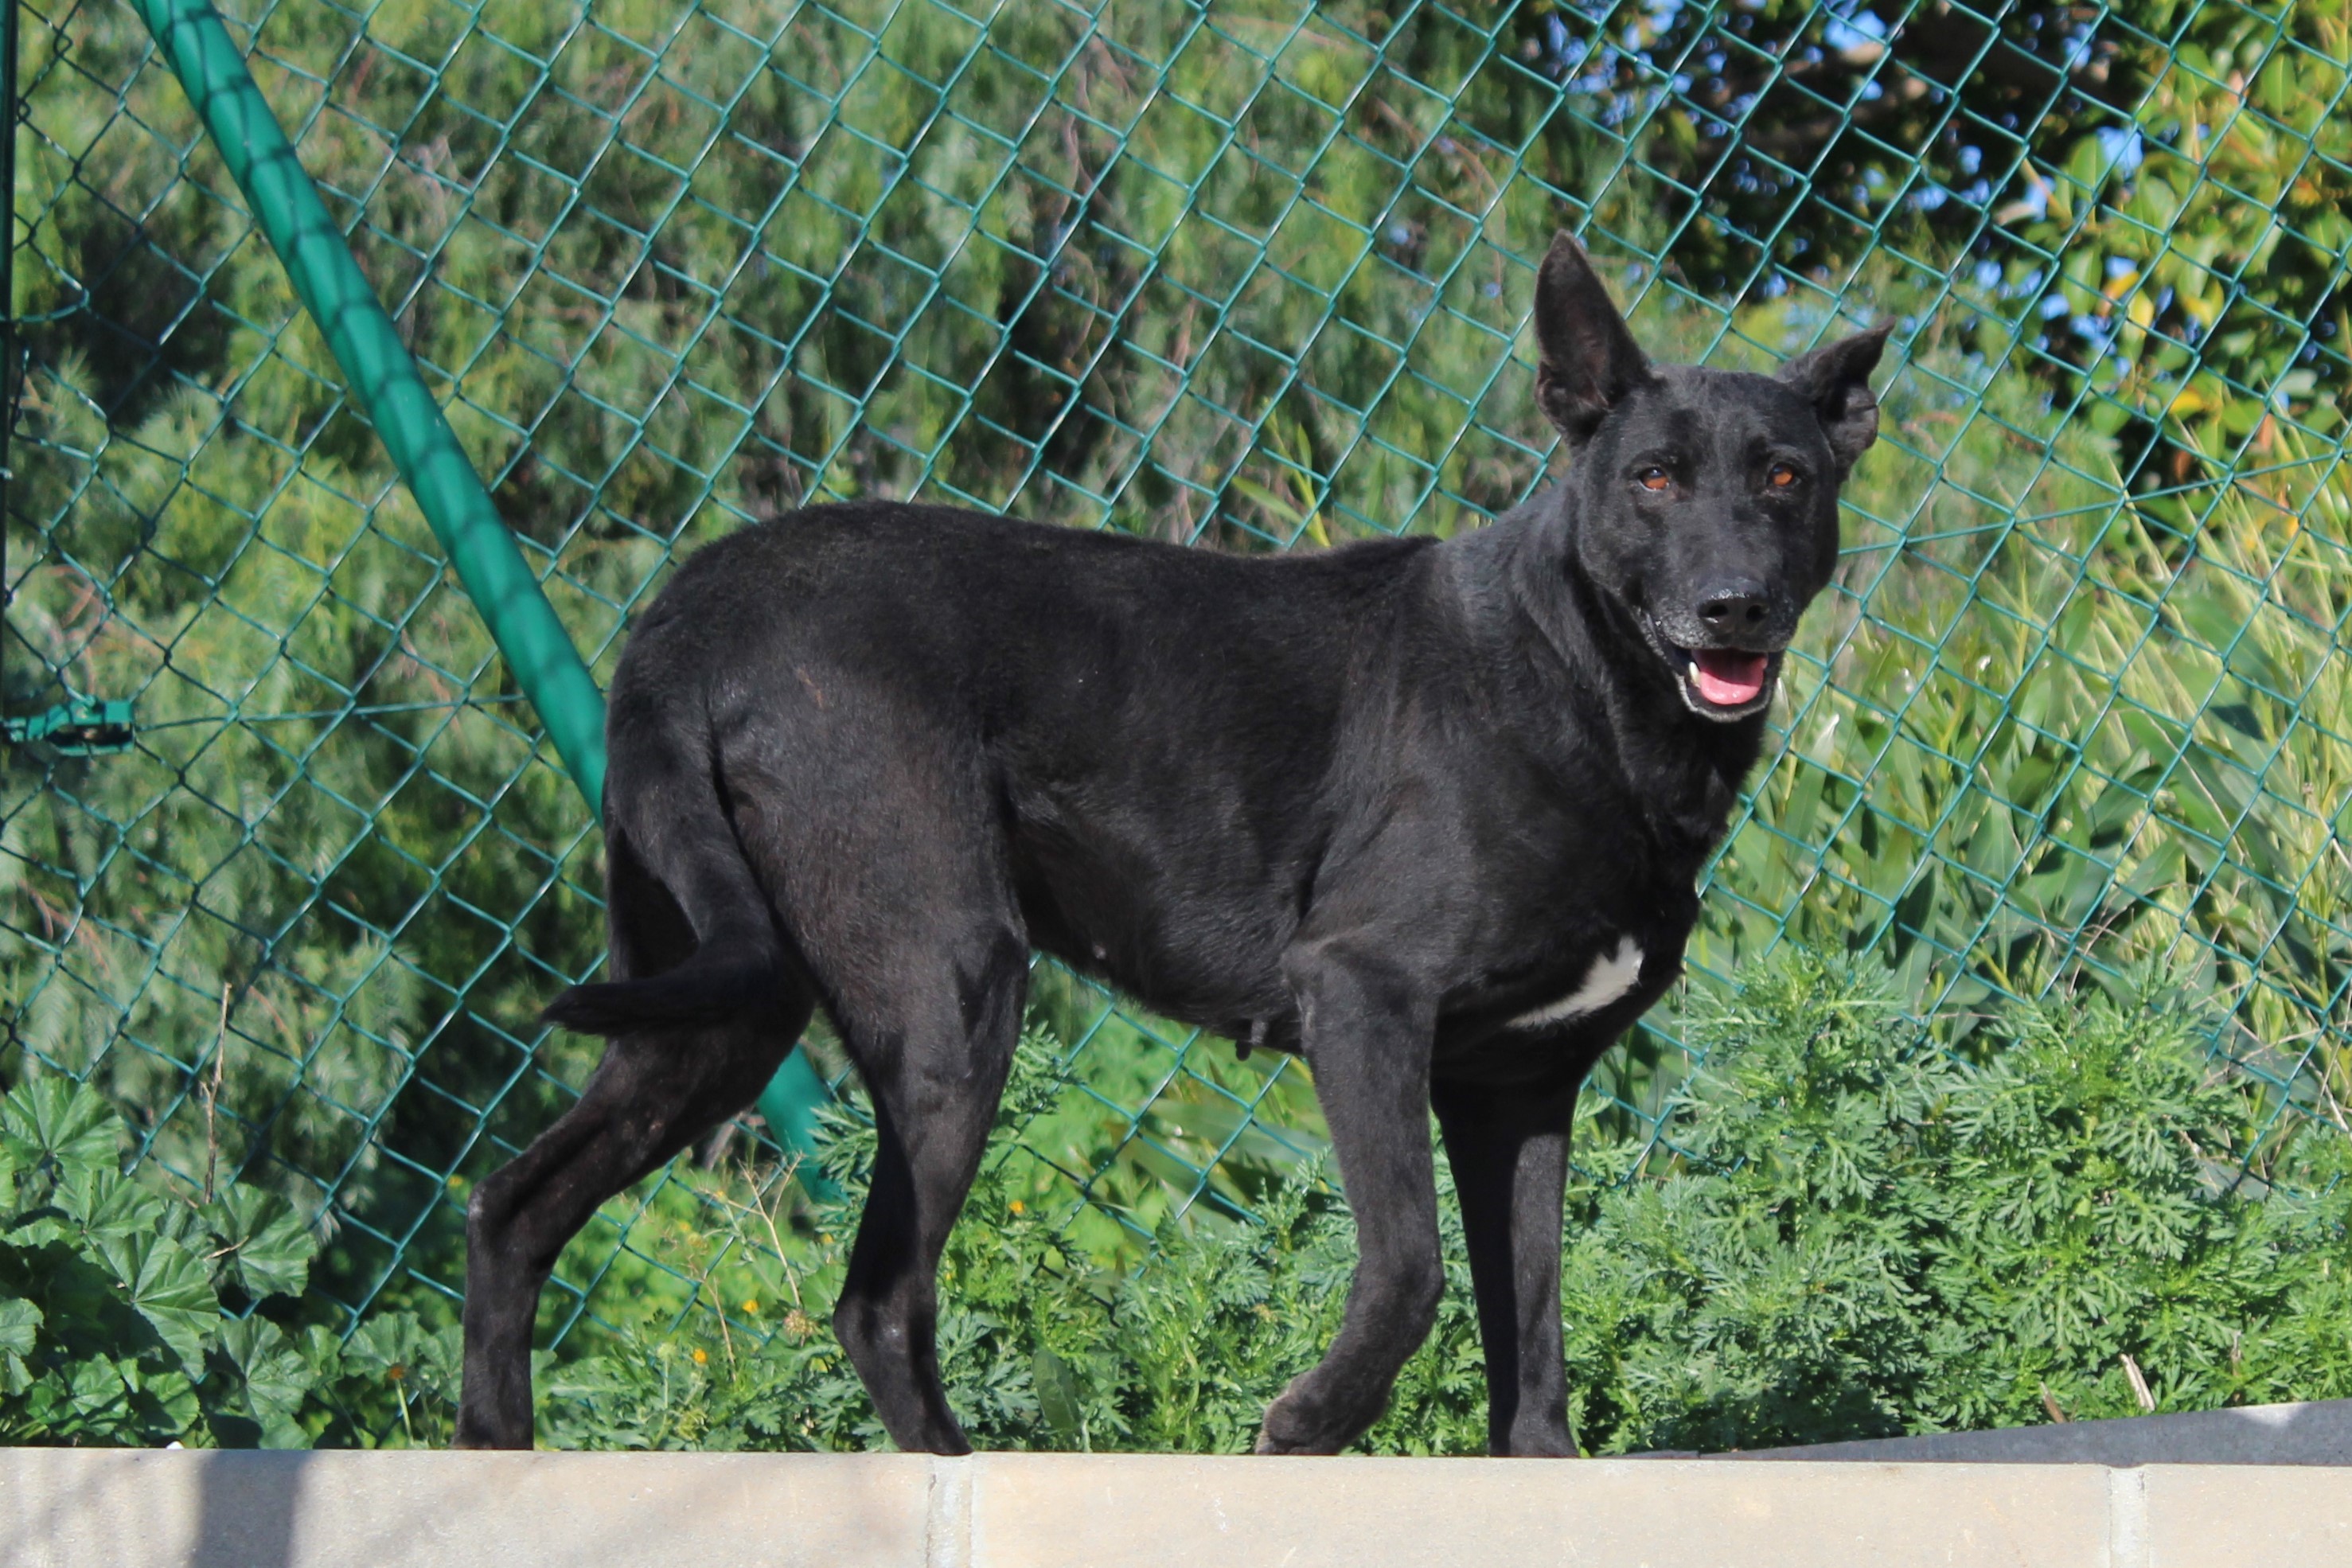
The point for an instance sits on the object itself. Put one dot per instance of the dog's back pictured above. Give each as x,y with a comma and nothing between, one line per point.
1126,735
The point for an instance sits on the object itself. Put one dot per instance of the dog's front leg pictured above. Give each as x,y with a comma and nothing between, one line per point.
1508,1148
1366,1029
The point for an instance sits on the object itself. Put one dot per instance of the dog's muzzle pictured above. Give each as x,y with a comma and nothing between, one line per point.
1719,683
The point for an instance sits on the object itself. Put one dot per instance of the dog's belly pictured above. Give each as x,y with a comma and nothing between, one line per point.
1615,973
1193,925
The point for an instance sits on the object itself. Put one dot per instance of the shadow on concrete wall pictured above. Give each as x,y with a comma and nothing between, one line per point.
247,1503
2319,1433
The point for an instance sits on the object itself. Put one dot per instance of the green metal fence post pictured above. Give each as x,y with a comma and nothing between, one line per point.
385,381
424,448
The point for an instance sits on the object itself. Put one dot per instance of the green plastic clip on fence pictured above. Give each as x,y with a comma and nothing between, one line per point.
423,447
79,726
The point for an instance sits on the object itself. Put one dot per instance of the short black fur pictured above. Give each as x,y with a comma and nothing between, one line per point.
1429,812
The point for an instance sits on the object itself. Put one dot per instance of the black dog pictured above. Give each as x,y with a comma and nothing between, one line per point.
1429,812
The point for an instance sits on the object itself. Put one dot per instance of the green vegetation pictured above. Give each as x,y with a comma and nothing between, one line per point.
2051,728
1872,1235
133,1314
1251,279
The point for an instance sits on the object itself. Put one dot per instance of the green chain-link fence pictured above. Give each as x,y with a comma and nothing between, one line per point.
1254,277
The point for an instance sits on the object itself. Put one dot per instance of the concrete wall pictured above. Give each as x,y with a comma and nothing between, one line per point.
2318,1433
145,1510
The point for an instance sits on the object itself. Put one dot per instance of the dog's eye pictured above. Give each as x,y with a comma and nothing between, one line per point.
1781,476
1653,479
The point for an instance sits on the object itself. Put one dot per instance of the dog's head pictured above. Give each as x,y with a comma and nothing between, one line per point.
1707,502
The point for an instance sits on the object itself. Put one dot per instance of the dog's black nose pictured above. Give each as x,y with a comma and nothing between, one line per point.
1736,607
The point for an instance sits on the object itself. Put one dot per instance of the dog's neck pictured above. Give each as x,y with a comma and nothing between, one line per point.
1684,770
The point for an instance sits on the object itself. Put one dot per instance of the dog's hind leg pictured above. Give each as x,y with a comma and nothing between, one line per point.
934,1058
652,1094
1367,1032
1508,1148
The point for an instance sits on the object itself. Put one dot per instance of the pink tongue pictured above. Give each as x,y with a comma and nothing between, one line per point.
1728,679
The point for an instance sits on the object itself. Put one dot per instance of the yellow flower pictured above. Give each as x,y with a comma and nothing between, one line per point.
1019,1208
750,1306
700,1355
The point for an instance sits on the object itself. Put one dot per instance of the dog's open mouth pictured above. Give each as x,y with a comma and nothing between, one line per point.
1725,682
1718,682
1728,677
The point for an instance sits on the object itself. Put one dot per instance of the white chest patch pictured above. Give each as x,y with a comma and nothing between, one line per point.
1612,975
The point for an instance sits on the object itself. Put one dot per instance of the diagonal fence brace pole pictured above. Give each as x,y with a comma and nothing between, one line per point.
385,381
423,447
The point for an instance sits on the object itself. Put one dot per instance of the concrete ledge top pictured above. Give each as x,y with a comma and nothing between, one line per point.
69,1509
2317,1433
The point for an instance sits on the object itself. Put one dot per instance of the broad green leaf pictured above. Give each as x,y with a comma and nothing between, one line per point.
273,1376
43,1227
395,1340
171,1289
20,1325
164,1399
266,1247
323,1351
106,1202
395,1348
55,1119
97,1396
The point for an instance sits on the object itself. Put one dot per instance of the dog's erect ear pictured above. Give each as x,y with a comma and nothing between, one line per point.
1835,378
1588,360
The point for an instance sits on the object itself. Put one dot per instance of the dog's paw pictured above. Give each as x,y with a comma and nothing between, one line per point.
1267,1443
1287,1430
474,1433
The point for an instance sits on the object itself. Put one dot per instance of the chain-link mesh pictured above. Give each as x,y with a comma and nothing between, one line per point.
1252,276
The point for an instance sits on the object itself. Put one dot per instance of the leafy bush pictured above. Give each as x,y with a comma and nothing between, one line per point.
112,1290
1864,1233
1875,1237
1868,1235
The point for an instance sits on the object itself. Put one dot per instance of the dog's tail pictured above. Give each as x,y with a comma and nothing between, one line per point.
665,822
